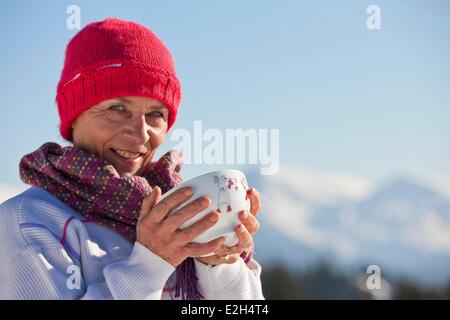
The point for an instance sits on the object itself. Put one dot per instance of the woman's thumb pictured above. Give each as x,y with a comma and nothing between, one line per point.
150,201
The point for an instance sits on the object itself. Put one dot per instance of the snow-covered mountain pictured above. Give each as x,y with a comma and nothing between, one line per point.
403,226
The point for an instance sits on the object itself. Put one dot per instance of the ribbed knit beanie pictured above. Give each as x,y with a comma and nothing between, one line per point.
110,59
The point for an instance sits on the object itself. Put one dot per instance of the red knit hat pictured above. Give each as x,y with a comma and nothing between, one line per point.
115,58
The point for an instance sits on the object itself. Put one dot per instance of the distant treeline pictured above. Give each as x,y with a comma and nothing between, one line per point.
322,281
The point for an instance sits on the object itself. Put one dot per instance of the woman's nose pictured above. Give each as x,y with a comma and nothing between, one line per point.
138,130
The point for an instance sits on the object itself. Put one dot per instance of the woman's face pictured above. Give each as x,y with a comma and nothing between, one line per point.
124,131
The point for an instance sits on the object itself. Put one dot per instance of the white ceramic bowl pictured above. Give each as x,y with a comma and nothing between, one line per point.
227,190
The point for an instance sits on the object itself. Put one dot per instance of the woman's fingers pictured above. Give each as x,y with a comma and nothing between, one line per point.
201,249
224,254
245,242
149,202
216,260
249,221
180,216
192,232
165,238
162,208
255,201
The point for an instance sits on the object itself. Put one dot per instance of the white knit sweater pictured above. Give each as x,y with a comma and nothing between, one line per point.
47,251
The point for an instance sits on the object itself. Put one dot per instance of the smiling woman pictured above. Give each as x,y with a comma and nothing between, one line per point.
125,131
92,226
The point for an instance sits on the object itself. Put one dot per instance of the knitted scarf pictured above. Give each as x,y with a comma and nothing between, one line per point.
92,187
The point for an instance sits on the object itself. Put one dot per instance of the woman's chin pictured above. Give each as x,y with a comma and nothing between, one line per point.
126,172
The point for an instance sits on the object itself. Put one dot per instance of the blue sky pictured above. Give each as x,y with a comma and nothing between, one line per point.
346,99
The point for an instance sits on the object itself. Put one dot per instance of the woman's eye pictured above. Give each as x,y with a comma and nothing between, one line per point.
155,114
117,107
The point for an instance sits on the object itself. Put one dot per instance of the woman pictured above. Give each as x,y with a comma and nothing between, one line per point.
91,226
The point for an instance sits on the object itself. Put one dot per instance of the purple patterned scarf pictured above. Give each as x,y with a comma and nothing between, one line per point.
92,187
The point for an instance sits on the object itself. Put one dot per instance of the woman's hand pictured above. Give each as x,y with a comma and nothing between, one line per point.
159,232
244,231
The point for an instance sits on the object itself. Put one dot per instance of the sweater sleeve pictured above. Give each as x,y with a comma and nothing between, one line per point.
31,276
141,276
237,281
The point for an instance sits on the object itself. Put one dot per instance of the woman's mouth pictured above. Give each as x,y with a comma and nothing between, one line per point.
127,155
126,161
